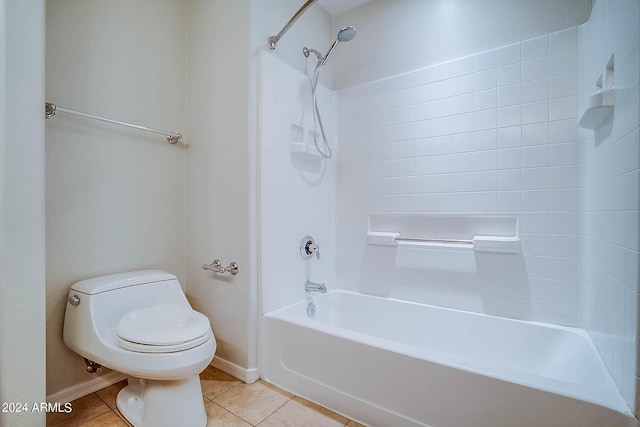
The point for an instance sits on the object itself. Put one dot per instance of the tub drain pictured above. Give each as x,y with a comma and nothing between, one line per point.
311,309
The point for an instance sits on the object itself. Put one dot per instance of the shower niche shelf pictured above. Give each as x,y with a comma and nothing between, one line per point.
304,151
479,233
598,110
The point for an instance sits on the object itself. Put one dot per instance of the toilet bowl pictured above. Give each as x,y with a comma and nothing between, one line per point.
141,324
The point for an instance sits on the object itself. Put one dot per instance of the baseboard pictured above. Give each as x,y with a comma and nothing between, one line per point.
80,390
247,375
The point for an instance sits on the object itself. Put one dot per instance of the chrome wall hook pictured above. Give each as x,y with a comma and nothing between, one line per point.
216,267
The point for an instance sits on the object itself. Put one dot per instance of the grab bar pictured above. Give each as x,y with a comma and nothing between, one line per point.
273,40
425,240
51,109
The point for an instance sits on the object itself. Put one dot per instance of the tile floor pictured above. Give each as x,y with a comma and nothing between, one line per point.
228,402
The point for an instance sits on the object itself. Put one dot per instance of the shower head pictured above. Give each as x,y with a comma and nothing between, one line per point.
344,35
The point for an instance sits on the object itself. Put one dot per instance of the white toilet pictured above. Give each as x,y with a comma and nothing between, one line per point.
141,324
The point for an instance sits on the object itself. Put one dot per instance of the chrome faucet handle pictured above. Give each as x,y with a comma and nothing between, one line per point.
308,247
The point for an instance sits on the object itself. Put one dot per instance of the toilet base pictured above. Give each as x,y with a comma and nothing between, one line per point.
152,403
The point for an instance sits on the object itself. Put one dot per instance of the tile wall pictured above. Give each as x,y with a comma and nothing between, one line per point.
609,189
296,190
493,133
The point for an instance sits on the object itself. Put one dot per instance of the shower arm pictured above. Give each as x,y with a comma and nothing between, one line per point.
273,40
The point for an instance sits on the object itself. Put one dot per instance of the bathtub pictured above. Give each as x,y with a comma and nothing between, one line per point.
387,362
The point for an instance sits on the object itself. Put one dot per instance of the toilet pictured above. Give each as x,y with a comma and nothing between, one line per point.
141,324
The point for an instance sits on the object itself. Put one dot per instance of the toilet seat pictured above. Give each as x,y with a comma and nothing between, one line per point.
162,329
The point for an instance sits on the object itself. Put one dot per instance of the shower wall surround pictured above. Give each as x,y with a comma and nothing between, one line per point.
609,189
492,133
297,191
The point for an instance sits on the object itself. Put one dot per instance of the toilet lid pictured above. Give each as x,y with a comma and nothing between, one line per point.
163,325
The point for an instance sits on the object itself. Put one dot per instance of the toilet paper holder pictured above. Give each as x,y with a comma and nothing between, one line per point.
216,267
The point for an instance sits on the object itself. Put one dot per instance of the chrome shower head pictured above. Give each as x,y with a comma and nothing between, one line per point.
344,35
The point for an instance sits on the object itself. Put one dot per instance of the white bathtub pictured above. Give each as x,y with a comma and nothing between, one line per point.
386,362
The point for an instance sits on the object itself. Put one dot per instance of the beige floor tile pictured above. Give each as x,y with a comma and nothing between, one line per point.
299,412
253,402
83,410
110,419
108,395
217,416
214,382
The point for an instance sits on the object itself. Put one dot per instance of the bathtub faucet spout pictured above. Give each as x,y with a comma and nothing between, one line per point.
315,287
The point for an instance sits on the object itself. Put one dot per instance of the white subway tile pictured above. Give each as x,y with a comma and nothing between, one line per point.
485,160
535,178
563,108
563,177
534,48
463,142
484,119
509,137
462,84
483,100
509,95
484,140
535,69
509,74
535,244
462,122
563,200
537,266
563,131
485,60
563,222
535,201
509,116
563,154
632,151
535,222
535,90
563,40
462,66
509,54
486,201
510,201
485,181
535,112
535,134
462,103
510,158
485,79
509,179
563,85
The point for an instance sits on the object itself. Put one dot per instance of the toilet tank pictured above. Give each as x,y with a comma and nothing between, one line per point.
95,306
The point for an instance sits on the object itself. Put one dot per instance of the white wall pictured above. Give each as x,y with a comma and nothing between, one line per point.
412,34
609,180
22,239
115,196
220,186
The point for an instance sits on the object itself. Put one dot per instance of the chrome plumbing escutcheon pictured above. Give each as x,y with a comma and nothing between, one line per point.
311,310
308,247
216,267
